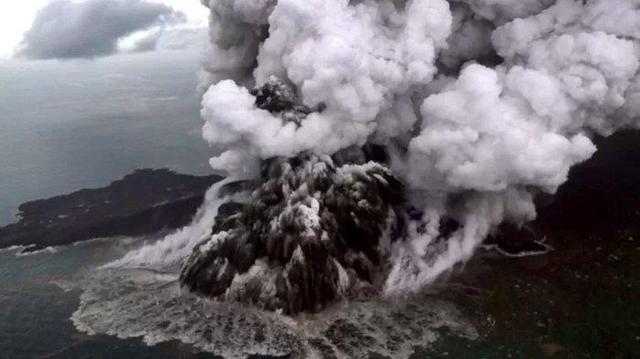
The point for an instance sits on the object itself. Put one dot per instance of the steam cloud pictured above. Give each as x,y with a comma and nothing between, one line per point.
68,29
479,104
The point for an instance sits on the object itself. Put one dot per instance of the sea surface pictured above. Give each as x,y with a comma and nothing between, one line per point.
70,125
35,309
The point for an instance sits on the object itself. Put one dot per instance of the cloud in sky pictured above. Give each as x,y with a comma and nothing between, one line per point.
66,29
165,38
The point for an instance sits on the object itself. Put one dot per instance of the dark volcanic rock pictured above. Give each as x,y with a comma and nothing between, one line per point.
143,202
278,98
310,232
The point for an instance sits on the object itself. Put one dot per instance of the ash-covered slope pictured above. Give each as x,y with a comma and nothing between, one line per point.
143,202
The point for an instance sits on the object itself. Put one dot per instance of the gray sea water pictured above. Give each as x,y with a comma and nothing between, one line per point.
71,125
35,310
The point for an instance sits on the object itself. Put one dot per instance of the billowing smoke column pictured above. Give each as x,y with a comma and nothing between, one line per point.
473,107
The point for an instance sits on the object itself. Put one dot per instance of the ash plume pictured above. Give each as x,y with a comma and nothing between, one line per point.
474,107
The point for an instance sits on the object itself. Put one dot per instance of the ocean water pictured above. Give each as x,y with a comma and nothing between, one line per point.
35,310
65,126
71,125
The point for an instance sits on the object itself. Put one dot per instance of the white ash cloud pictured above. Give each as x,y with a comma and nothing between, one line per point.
66,29
501,11
473,139
165,38
353,59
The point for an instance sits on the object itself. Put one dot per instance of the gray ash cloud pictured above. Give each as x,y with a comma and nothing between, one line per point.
67,29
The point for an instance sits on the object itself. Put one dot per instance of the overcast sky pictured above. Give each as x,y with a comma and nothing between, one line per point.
16,17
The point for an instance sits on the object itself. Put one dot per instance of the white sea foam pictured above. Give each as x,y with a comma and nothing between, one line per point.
46,250
18,249
131,303
139,295
176,246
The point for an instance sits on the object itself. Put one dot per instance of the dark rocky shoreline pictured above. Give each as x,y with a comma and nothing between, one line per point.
143,202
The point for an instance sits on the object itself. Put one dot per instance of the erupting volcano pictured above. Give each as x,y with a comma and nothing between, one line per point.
385,140
370,146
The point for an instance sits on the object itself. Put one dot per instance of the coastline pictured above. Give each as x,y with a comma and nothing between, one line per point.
143,202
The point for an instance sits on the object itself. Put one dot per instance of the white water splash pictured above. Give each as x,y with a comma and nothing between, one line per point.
175,247
130,303
139,295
